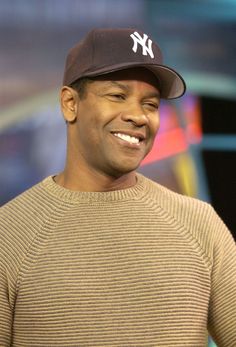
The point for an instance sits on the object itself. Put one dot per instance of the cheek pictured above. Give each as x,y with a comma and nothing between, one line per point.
154,124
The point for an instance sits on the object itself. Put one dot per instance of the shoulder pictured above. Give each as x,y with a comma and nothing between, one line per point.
174,203
22,218
35,200
196,217
23,205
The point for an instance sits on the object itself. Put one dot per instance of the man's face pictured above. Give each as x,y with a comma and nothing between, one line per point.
116,122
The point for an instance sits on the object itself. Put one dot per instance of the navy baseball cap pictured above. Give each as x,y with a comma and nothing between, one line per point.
104,51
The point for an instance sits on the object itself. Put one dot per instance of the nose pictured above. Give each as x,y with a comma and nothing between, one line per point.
135,115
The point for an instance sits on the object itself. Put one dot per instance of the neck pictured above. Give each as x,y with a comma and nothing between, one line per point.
94,181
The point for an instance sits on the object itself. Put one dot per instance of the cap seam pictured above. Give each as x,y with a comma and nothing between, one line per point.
93,50
92,63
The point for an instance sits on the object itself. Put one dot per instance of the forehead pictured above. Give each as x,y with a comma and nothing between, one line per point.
129,75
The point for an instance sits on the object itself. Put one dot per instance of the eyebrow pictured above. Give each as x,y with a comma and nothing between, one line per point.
120,85
154,94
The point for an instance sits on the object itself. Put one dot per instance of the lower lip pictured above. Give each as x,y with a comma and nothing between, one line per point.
128,144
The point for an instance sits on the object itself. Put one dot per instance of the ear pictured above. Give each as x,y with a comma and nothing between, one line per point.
69,103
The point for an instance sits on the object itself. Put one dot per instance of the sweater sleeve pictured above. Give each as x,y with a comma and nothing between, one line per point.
5,309
222,306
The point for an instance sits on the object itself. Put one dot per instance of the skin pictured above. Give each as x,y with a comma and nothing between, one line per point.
124,102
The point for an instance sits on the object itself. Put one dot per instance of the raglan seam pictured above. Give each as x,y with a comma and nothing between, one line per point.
209,262
21,273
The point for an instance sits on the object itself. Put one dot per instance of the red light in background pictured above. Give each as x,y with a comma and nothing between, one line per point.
172,138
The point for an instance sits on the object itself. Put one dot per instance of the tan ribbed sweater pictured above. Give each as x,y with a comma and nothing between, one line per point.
141,267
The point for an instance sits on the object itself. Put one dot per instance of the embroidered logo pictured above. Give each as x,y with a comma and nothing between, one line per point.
144,42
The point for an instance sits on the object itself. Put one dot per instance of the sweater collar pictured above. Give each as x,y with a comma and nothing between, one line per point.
62,193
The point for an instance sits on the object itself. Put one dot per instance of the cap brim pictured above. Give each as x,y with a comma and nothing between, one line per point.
172,85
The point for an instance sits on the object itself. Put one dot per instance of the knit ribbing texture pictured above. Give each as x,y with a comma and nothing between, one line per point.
139,267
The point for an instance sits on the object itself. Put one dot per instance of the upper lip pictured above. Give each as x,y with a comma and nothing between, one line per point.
131,133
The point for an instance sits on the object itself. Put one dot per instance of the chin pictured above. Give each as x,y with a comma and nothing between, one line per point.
124,165
124,170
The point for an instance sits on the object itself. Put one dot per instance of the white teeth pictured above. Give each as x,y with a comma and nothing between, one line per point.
130,139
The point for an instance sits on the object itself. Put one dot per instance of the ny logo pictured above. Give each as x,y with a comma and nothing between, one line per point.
138,39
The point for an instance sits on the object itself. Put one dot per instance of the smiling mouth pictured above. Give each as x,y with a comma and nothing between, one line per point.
130,139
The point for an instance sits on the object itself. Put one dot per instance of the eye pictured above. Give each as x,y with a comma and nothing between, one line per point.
152,105
117,96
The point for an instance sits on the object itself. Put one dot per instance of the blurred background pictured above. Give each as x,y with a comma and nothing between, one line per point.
195,152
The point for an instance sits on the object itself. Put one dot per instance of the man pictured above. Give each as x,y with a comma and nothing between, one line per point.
99,255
